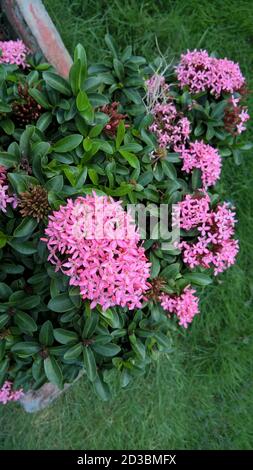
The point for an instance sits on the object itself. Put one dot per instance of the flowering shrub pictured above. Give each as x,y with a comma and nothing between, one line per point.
80,290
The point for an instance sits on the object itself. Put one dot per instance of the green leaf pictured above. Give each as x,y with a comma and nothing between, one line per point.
2,349
130,157
44,121
61,303
210,132
155,268
125,378
65,336
111,45
67,143
29,302
7,125
3,239
199,129
25,228
25,322
73,352
40,98
80,54
20,182
46,335
39,151
25,140
4,366
107,350
5,291
121,191
93,176
198,278
119,69
133,95
26,348
218,111
4,318
92,83
53,371
120,134
196,179
101,388
8,160
237,157
89,363
164,340
25,248
104,145
90,325
96,100
57,83
132,147
82,101
138,346
96,130
171,271
37,368
75,76
55,184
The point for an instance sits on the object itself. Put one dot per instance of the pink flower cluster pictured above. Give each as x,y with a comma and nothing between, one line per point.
8,394
204,157
200,72
215,246
95,242
184,306
194,210
171,128
13,52
5,198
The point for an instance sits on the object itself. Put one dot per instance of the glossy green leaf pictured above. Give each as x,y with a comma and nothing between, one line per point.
74,352
46,335
107,350
67,143
25,322
53,371
25,228
89,363
57,83
65,336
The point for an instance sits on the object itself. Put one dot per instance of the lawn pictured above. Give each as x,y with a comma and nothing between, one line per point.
201,395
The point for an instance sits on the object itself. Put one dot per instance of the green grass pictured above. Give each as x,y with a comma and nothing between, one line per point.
199,397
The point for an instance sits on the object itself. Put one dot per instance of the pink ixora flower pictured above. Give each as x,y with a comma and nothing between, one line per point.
215,247
13,52
95,242
5,198
8,394
204,157
185,306
201,72
171,128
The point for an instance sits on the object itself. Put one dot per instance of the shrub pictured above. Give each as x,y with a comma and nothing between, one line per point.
77,293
